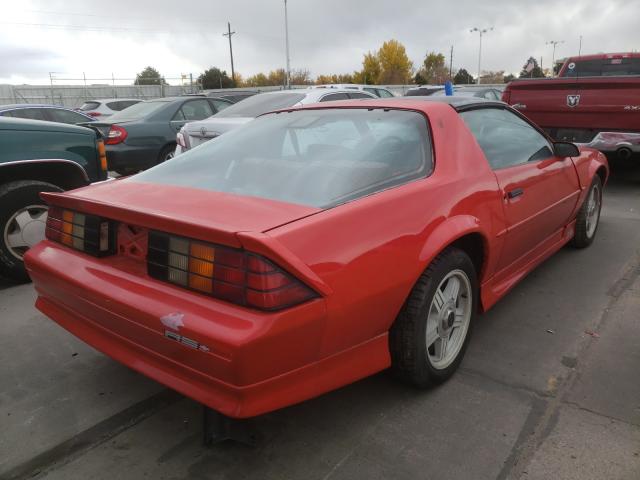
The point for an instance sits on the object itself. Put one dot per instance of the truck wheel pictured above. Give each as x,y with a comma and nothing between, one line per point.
589,216
23,217
430,335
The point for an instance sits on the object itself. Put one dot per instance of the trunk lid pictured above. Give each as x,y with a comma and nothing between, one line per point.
201,214
595,103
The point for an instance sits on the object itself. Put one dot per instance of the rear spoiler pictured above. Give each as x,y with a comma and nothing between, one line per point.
92,127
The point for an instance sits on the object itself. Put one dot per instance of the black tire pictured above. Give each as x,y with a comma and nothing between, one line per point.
583,237
167,152
407,338
13,197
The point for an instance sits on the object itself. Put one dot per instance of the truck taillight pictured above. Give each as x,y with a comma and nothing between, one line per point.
87,233
116,135
229,274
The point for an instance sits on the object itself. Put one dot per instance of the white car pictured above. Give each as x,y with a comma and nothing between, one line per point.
196,133
105,107
380,92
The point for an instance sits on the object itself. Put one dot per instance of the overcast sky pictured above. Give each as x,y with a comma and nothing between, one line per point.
70,37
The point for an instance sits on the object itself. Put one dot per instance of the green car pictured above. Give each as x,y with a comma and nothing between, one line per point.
38,156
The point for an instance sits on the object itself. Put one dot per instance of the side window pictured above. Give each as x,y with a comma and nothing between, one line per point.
219,104
30,113
116,106
178,116
372,91
65,116
505,138
196,110
334,96
359,95
384,93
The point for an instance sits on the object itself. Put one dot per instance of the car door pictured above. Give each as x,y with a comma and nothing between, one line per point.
540,190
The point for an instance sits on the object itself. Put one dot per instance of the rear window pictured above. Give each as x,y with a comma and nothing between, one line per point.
86,106
604,67
262,103
319,158
137,111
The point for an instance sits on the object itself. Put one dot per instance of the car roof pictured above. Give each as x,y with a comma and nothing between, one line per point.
416,102
13,106
113,99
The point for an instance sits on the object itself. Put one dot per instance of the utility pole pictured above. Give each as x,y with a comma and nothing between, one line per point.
451,64
229,34
553,55
286,36
580,47
481,31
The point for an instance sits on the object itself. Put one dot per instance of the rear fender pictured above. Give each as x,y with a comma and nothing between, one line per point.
447,233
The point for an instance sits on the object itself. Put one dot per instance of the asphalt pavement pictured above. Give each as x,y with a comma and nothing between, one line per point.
548,390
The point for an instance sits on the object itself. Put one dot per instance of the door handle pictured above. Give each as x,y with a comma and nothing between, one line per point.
516,192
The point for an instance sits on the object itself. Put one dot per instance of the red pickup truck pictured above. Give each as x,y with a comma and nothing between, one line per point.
594,101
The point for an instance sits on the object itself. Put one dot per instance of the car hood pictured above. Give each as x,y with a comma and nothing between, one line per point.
210,215
215,126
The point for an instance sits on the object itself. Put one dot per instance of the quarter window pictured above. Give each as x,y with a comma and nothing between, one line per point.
334,96
505,138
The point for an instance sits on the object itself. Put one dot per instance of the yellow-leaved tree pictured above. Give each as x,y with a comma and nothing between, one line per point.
395,66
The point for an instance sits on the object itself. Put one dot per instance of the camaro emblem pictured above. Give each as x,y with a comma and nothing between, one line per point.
203,131
573,100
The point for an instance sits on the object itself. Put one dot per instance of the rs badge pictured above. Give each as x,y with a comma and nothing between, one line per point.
573,100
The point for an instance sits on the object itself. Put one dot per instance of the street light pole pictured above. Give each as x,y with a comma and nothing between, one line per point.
286,36
553,55
481,31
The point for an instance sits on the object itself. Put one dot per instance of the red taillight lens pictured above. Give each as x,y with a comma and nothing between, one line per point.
87,233
116,135
226,273
93,114
180,140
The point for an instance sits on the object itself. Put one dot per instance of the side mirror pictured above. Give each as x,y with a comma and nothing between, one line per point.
565,149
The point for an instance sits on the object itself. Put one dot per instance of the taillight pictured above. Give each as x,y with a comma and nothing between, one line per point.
116,135
180,140
226,273
93,114
102,155
87,233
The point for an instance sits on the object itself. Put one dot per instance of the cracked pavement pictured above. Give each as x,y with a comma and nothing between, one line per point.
548,389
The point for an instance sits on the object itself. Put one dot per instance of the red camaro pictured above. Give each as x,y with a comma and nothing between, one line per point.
314,247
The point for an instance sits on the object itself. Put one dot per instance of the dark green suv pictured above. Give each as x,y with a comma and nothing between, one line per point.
37,156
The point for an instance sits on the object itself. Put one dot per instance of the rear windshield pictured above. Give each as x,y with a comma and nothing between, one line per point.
319,158
139,110
259,104
86,106
607,67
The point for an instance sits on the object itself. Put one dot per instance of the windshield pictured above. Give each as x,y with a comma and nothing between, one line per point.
137,111
319,158
262,103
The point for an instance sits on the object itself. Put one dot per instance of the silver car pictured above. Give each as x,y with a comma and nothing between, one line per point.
196,133
105,107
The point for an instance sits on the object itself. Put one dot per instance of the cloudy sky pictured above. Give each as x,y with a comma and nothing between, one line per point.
121,37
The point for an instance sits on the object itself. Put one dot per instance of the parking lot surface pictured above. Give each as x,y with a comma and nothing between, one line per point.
548,389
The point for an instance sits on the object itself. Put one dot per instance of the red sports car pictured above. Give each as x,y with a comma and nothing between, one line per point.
314,247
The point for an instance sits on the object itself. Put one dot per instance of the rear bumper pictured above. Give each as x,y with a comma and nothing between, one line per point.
236,361
127,157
